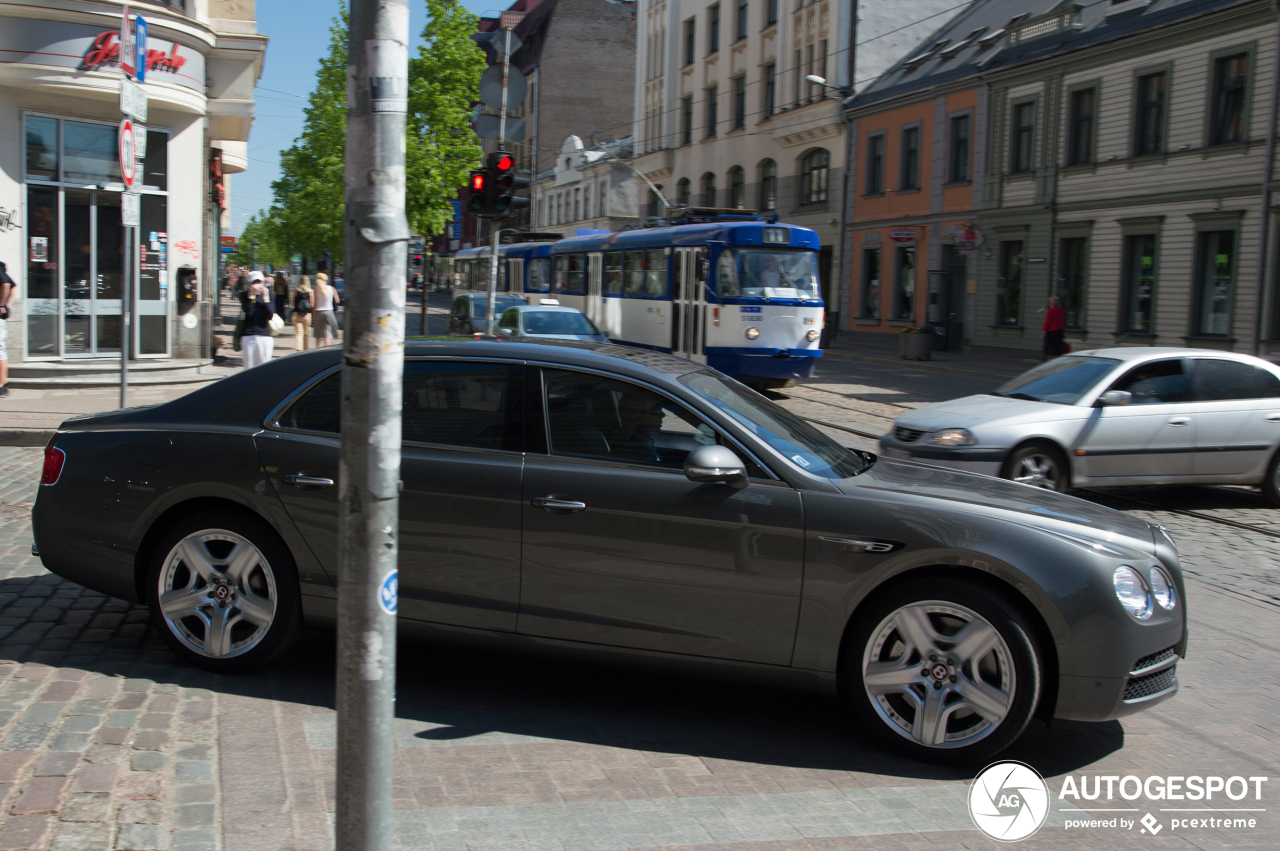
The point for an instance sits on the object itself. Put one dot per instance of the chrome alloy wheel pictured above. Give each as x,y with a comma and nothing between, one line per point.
1038,470
939,674
217,593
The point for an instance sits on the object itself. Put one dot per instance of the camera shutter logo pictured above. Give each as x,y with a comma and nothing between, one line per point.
1009,801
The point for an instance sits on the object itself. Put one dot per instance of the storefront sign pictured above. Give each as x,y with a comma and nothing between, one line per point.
902,235
88,48
966,239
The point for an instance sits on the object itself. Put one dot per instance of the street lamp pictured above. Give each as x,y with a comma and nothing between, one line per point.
844,91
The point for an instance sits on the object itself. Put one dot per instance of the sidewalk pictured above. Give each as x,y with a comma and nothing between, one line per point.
887,352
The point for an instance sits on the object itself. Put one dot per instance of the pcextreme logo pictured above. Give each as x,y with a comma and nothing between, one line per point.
1009,801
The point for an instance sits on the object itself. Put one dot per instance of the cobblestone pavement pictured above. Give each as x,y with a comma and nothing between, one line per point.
106,742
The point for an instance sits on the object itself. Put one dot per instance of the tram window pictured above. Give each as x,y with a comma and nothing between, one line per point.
727,275
613,273
778,274
656,274
539,274
635,273
577,284
561,280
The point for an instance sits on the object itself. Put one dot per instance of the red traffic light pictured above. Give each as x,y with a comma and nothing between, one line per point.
506,163
477,182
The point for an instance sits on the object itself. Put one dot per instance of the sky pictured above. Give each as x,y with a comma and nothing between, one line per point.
299,32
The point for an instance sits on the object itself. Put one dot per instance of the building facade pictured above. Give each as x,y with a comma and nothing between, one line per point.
60,177
586,188
724,115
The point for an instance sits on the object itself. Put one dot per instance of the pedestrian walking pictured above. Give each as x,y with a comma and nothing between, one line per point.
1055,329
256,340
280,288
324,324
7,288
302,296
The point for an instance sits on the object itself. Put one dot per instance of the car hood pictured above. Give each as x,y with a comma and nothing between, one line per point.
590,338
1023,504
970,411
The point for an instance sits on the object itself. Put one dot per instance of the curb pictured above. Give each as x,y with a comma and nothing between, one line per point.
922,365
26,436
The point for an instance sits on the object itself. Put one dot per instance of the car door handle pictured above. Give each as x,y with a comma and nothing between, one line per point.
1273,418
558,506
1178,421
301,480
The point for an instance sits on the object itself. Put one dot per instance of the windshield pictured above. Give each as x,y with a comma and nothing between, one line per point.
557,322
801,443
480,306
1062,380
770,273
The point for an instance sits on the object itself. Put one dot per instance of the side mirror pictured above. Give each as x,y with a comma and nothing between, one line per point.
1114,398
715,464
509,331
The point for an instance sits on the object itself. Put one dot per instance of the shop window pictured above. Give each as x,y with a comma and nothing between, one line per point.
42,148
1072,284
1139,283
90,153
1009,284
870,301
904,290
1214,283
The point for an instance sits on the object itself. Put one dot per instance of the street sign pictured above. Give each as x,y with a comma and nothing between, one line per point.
487,128
491,88
129,209
140,49
133,100
128,153
127,54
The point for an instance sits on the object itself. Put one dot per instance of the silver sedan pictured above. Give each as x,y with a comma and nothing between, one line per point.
1118,416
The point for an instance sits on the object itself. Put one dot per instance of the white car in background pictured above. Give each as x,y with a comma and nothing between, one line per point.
1108,417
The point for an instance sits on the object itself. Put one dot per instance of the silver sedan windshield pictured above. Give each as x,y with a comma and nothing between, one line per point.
1062,380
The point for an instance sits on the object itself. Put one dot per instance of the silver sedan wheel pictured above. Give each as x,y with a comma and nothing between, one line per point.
217,593
1038,470
939,674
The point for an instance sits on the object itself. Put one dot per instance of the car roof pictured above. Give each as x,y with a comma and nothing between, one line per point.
1141,353
486,295
545,308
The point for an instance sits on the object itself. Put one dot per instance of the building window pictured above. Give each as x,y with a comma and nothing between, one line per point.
904,285
1214,282
684,192
708,190
1139,283
690,41
770,12
1148,137
958,150
713,29
743,18
712,111
586,202
768,185
1022,146
799,75
810,68
686,120
1071,279
1009,284
875,164
770,93
869,307
737,188
909,165
1080,130
813,177
739,102
1230,78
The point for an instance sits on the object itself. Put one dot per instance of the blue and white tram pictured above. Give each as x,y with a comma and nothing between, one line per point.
740,296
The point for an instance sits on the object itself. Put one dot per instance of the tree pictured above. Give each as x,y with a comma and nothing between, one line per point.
443,85
262,228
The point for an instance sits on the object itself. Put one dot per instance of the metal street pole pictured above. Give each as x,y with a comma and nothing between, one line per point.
502,136
130,257
369,474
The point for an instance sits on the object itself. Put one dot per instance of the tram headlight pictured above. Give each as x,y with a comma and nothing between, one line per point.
812,336
752,333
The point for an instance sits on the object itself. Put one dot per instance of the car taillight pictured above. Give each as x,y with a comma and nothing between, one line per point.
54,458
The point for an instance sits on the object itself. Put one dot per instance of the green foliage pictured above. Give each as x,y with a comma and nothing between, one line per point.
262,228
443,84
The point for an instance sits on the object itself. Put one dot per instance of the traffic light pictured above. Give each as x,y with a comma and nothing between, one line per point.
417,261
507,184
478,202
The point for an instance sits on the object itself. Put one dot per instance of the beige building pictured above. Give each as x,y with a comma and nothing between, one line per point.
587,188
61,184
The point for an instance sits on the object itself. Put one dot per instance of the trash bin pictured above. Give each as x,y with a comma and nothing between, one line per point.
917,343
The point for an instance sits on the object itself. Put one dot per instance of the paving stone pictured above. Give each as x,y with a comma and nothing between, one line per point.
57,764
40,795
148,761
141,812
24,831
142,837
195,772
194,815
195,840
95,806
94,778
80,836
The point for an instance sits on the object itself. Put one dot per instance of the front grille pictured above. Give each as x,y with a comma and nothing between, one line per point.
1139,687
906,435
1154,659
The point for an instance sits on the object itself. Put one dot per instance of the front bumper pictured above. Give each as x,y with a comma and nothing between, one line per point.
983,460
1154,679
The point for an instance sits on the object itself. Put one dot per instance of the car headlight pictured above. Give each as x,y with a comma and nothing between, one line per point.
1162,589
752,333
954,437
812,336
1131,591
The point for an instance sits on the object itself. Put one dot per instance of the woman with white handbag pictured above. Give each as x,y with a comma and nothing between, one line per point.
260,323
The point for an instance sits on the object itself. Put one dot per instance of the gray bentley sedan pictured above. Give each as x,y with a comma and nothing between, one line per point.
622,504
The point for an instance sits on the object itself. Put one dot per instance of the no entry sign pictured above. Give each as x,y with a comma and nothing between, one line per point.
128,153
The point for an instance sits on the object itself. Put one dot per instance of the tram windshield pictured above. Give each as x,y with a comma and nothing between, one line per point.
768,273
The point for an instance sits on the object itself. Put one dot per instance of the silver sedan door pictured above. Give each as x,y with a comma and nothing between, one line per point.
1151,437
1237,411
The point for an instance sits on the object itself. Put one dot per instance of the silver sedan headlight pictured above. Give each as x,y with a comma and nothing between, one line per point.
1132,592
1163,590
954,437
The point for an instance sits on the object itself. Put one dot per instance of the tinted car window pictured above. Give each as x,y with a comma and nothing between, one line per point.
557,322
456,404
1062,380
1155,383
480,306
318,408
1219,380
604,419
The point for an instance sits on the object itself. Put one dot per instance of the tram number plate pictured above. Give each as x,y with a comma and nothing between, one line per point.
900,454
